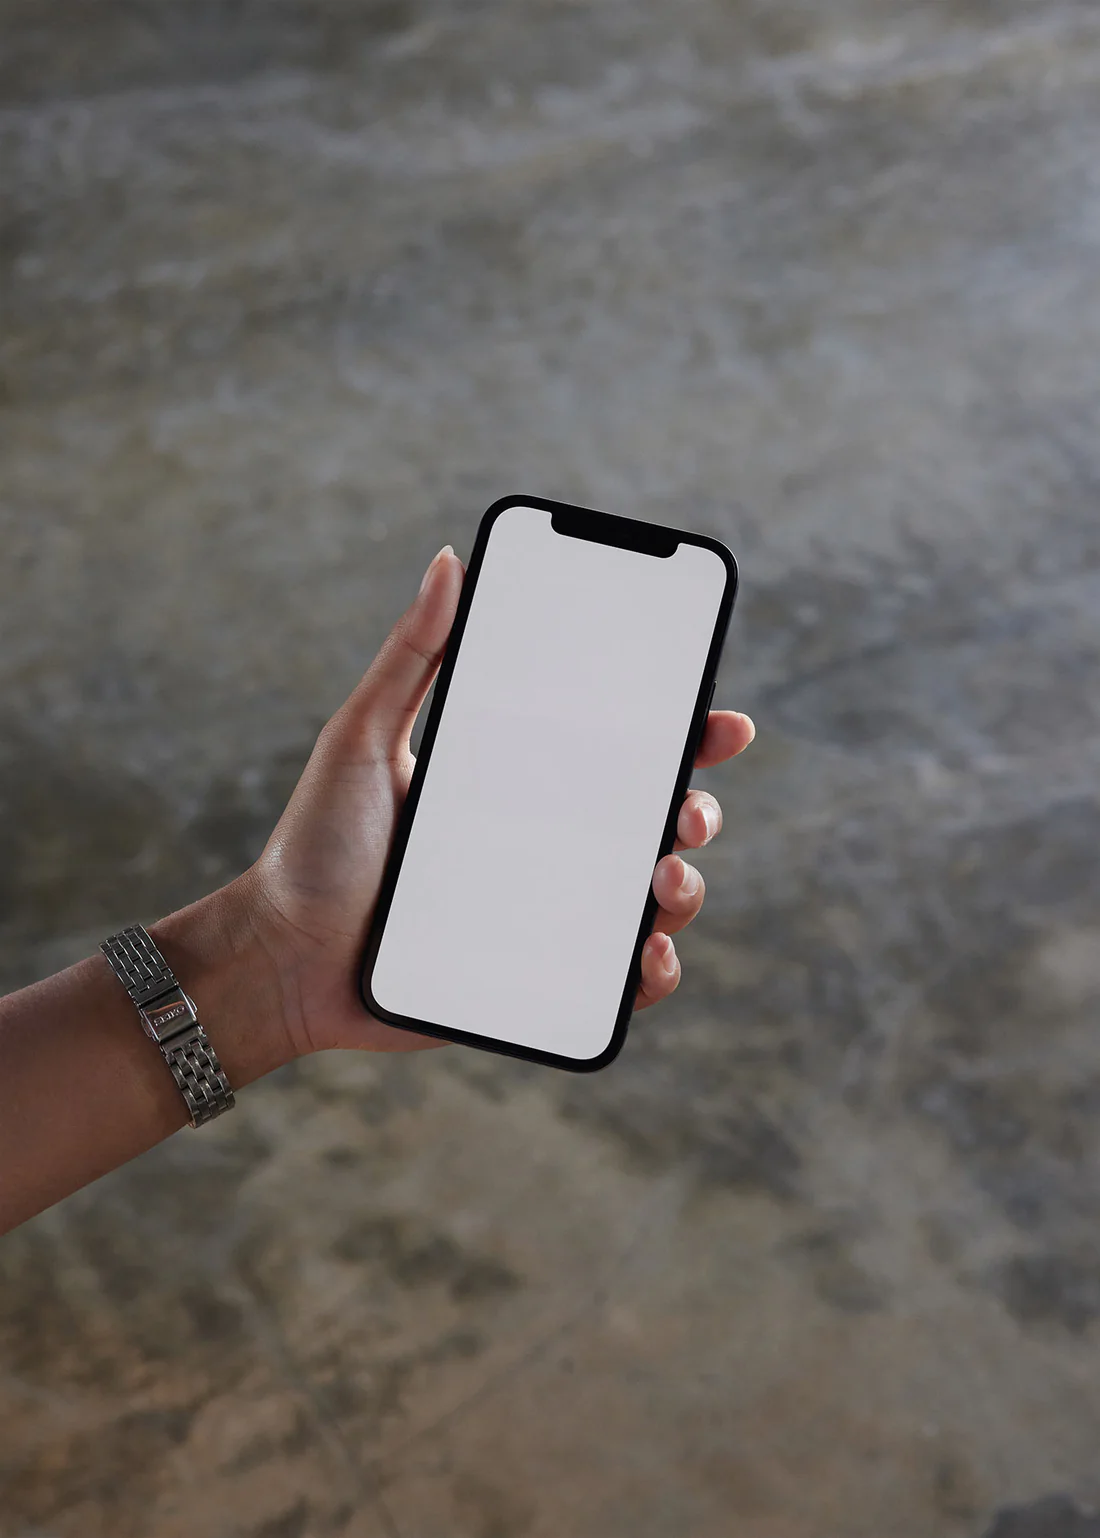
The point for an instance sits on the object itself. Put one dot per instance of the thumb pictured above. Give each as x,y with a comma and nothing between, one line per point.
386,703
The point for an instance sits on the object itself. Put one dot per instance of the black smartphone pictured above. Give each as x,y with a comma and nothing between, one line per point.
557,751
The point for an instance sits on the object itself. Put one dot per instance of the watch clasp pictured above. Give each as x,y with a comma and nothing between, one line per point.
169,1016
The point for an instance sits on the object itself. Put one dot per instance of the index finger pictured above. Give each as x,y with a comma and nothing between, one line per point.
727,733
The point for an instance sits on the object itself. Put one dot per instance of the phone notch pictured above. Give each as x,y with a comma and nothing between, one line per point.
608,529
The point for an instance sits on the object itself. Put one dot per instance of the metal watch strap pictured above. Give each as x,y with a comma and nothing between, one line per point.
172,1021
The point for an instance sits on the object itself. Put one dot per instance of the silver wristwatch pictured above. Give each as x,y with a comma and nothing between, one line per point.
171,1019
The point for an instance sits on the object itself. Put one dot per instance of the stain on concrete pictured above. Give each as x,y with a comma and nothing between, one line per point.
957,1488
380,1395
491,1510
693,1124
260,1451
829,1255
396,1093
411,1257
1060,1289
109,1470
293,1524
1052,1516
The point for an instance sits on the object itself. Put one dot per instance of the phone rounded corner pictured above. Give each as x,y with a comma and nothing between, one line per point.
733,570
496,509
604,1059
366,994
719,548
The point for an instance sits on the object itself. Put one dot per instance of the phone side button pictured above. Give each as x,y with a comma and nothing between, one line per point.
703,723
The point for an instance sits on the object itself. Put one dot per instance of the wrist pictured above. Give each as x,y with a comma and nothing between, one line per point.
216,949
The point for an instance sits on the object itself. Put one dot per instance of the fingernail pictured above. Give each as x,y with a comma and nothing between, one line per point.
710,817
750,723
433,563
689,880
667,957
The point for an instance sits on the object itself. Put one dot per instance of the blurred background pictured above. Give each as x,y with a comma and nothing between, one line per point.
290,292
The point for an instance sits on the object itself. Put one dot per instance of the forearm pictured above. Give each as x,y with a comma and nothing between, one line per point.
83,1089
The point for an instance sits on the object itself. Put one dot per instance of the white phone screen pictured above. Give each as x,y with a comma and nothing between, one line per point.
531,852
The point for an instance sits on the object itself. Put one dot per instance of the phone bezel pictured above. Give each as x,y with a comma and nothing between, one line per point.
606,528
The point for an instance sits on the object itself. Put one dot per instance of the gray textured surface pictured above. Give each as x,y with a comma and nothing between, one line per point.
290,292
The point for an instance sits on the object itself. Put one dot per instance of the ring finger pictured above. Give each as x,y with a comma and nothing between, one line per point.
699,821
679,890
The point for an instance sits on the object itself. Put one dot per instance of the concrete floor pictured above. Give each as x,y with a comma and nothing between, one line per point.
290,293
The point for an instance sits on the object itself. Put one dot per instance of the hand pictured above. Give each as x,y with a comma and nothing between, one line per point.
317,882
